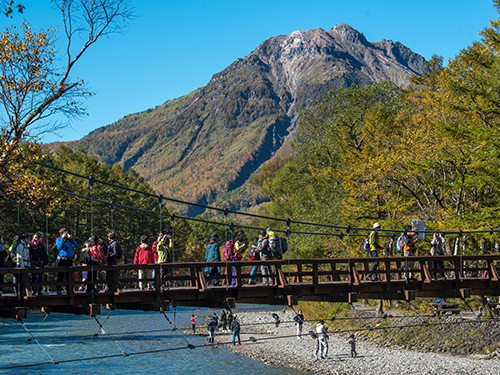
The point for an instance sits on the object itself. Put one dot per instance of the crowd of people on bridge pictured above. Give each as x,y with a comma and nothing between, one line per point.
31,251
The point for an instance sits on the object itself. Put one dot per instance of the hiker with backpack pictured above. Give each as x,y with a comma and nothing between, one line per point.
65,245
263,249
235,330
212,254
275,250
374,246
113,254
39,258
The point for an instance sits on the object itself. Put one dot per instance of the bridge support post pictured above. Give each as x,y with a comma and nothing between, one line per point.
231,303
465,293
293,300
409,295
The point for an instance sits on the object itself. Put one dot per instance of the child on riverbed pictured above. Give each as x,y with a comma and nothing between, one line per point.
352,341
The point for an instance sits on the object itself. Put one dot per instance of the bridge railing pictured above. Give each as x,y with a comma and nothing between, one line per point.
283,273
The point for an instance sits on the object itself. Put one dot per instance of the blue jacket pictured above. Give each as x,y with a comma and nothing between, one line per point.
65,247
212,253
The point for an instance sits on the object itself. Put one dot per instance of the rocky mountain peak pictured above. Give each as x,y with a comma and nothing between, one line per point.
348,34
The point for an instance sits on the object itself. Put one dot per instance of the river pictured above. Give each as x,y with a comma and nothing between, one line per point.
81,346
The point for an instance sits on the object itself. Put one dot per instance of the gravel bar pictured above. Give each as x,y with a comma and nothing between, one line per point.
279,346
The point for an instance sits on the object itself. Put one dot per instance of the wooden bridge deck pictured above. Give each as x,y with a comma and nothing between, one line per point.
333,280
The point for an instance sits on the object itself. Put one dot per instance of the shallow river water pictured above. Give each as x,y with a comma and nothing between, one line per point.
81,346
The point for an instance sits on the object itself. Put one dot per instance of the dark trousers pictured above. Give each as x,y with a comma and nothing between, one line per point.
214,271
61,276
374,266
109,277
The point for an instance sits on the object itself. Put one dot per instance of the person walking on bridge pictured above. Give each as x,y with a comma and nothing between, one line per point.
373,241
410,239
263,249
212,254
144,255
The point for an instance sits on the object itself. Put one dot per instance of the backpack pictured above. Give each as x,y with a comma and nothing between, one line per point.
252,254
366,244
275,247
15,244
284,245
227,250
400,244
119,251
97,253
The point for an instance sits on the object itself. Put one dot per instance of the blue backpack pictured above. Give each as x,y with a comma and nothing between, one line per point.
366,244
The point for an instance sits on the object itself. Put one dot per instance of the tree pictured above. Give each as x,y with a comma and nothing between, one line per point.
34,88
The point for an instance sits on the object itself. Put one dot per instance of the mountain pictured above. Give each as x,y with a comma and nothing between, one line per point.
203,147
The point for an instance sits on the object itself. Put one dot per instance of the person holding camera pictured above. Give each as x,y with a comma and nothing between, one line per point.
164,249
65,245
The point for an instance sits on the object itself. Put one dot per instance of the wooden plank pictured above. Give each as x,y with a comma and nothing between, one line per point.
456,268
315,274
493,271
387,265
426,274
202,282
355,280
281,277
239,281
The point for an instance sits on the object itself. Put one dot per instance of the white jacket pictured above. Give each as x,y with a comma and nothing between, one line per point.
320,330
22,255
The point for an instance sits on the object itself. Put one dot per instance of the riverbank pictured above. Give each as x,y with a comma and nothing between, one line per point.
279,346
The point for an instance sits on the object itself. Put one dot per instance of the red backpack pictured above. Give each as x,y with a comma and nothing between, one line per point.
227,250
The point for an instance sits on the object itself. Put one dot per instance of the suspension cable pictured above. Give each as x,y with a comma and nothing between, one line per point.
124,353
52,360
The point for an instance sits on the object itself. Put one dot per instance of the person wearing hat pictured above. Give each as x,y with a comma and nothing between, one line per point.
212,254
374,247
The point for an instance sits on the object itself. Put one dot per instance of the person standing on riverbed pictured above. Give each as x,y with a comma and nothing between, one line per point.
299,321
193,323
235,330
211,331
322,339
352,341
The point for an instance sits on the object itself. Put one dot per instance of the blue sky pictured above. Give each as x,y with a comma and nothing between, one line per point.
174,47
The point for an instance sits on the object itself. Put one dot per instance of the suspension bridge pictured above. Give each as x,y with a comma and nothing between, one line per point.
185,284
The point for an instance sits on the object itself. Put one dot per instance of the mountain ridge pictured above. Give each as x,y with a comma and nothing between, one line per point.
210,141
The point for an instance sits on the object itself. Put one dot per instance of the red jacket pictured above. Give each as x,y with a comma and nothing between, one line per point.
144,254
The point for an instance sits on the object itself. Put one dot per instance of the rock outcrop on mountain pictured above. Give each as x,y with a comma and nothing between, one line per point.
203,147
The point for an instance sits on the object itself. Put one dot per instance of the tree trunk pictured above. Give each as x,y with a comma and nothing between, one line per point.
380,307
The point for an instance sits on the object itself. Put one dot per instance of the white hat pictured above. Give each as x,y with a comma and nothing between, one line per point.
376,225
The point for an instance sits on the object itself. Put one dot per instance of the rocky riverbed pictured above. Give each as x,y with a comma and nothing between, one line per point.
279,346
